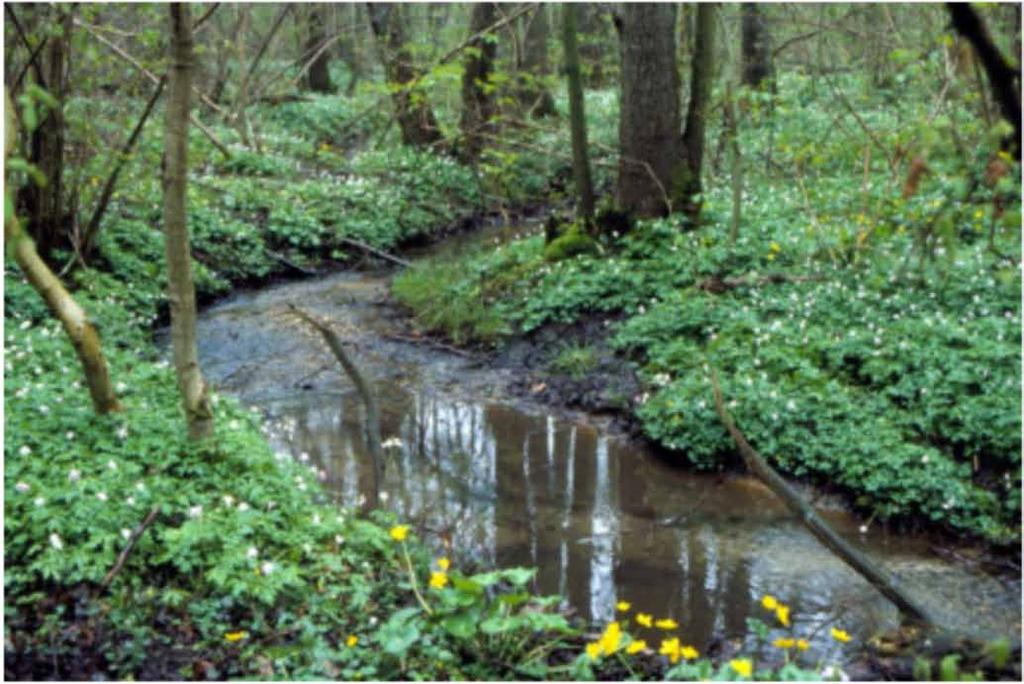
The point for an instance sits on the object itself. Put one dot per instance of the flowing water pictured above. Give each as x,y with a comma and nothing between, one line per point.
495,480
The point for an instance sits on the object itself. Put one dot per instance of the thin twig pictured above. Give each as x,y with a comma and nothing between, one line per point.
373,250
24,39
132,540
206,15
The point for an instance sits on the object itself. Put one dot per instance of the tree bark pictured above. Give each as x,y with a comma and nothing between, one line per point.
577,119
79,329
533,94
477,100
689,186
181,291
651,158
318,77
1002,78
757,64
821,530
44,203
415,117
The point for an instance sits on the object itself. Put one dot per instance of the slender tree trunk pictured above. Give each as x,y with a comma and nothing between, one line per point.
477,100
415,117
44,203
242,98
318,77
696,116
650,149
757,64
732,131
348,47
62,305
1002,78
592,27
577,120
181,292
533,94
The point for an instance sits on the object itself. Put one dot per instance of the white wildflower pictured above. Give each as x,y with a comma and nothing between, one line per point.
338,539
25,450
195,511
112,464
56,542
384,496
39,501
120,387
267,567
243,507
102,496
253,552
228,500
44,409
69,435
392,443
122,432
125,532
22,487
316,518
75,475
130,501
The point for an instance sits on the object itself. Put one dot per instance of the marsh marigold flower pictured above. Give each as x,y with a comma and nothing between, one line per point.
802,644
840,635
742,666
689,652
644,620
784,643
444,563
623,606
611,639
235,636
670,648
666,623
352,640
769,602
636,646
438,580
782,613
594,650
399,532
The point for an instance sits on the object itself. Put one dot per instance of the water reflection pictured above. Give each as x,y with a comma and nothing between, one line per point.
602,520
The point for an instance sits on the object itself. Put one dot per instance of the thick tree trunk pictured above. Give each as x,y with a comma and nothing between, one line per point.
44,203
72,317
757,64
318,77
415,117
181,292
577,120
533,94
689,186
477,100
651,160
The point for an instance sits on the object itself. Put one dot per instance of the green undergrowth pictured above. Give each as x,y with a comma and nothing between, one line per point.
884,362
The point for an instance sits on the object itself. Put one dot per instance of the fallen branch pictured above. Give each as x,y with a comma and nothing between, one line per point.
821,530
718,285
373,250
132,540
290,264
85,246
373,440
426,341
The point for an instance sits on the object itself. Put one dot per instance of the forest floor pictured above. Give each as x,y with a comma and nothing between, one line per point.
242,570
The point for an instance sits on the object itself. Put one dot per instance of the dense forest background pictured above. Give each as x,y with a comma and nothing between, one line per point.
801,221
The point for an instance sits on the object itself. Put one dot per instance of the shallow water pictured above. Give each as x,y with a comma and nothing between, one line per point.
499,481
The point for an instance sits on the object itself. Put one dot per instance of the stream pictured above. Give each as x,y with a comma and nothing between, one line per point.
491,479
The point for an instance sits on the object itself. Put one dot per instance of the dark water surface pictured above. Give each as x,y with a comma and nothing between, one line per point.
505,482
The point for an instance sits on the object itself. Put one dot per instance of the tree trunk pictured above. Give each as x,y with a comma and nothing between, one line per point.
318,77
348,47
62,305
181,292
577,120
592,27
533,94
44,203
689,186
1003,79
757,64
477,100
415,117
242,97
650,149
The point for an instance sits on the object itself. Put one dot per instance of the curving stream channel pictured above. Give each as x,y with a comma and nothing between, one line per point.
499,481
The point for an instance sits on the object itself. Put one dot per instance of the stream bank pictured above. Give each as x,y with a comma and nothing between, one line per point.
499,478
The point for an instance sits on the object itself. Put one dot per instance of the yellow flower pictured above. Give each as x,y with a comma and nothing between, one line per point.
769,602
644,620
784,643
689,652
636,646
979,214
235,636
774,247
399,532
802,644
352,640
443,563
840,635
594,650
438,580
611,639
666,623
623,606
742,666
782,613
670,648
